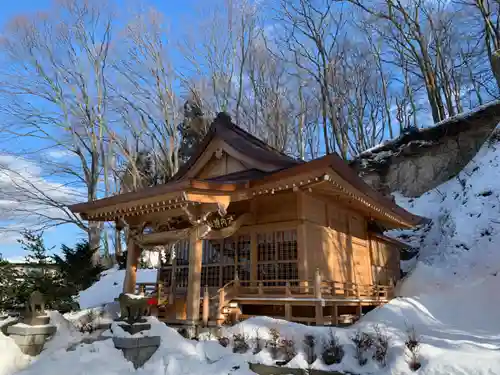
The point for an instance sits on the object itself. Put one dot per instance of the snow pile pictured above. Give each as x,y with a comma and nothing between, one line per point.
110,286
11,357
66,334
175,356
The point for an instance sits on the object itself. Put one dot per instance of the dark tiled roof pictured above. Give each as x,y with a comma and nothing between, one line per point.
240,140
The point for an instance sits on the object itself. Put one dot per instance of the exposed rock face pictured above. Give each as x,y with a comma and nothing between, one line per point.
425,158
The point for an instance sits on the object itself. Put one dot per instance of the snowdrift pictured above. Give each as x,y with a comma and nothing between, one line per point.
109,287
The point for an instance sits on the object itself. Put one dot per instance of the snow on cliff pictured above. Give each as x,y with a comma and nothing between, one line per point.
461,247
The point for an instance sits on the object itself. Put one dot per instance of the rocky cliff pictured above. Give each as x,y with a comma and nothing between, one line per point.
422,159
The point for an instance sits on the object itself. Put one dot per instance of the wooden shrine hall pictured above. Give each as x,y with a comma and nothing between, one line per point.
247,230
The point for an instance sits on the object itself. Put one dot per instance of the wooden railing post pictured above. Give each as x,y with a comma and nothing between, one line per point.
236,283
390,291
142,289
288,292
358,296
319,302
335,317
317,284
206,306
288,312
261,288
173,283
159,292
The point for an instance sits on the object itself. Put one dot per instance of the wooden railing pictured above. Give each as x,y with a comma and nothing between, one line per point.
213,306
317,288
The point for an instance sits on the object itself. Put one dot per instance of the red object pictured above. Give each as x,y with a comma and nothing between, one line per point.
153,301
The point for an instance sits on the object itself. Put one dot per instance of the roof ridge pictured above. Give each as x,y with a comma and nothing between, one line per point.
224,119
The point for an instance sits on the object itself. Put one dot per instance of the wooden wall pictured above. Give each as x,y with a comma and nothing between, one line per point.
385,259
275,208
335,240
220,167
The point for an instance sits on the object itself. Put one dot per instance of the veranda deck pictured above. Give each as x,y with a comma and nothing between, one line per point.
320,302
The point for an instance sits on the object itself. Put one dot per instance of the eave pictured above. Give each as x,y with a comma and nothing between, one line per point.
154,199
327,171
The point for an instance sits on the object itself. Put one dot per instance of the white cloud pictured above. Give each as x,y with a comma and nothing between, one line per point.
59,154
30,200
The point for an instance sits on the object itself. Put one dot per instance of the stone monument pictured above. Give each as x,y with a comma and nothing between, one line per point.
36,328
136,349
132,311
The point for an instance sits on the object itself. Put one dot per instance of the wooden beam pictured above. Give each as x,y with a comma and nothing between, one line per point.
155,217
162,238
222,200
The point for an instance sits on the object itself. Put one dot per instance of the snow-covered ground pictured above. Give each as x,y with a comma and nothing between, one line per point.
450,297
110,286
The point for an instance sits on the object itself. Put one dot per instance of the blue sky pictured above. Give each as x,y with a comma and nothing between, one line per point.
177,12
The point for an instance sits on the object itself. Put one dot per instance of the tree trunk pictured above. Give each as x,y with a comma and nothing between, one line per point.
118,243
495,64
94,234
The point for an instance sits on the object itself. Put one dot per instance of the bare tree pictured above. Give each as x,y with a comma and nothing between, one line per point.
267,106
488,11
312,30
145,99
55,92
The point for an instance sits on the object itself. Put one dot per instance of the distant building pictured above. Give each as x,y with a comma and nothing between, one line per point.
24,268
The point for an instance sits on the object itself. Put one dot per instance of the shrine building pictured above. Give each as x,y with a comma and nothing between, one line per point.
247,230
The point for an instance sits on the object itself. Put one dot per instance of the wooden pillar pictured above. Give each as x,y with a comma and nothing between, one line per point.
335,313
319,313
302,245
317,295
288,312
222,303
133,255
206,306
317,284
194,278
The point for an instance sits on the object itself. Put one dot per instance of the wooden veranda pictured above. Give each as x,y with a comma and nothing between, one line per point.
318,302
